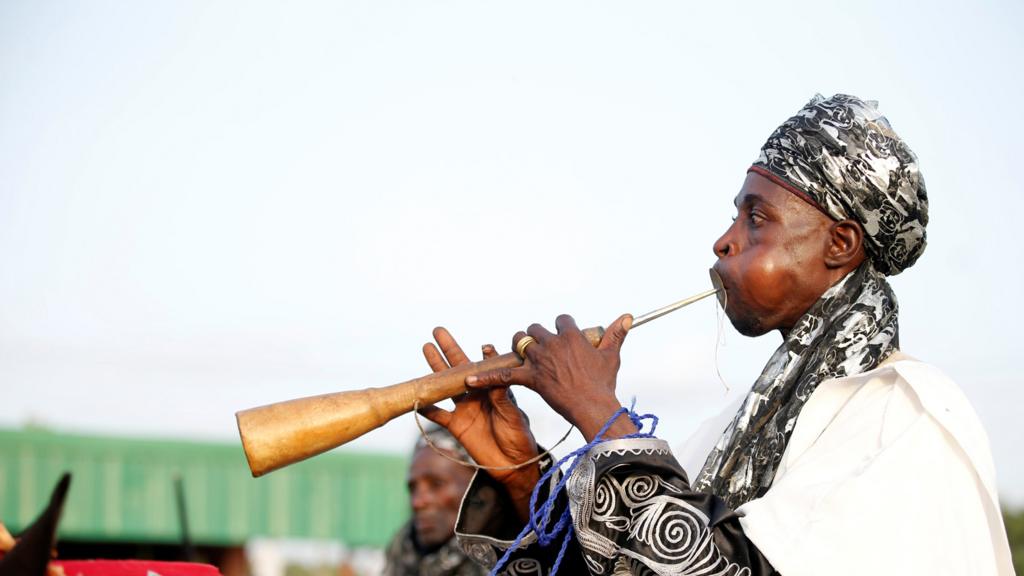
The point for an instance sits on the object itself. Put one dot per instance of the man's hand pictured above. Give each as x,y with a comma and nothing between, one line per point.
576,379
487,423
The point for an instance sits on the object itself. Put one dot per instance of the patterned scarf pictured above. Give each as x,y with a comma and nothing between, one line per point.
850,329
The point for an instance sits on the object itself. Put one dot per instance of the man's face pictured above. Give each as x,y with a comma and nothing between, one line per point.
436,486
772,257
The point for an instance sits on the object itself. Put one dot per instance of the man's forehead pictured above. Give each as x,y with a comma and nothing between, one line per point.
757,188
747,197
426,463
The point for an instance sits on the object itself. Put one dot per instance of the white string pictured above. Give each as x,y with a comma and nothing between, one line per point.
720,337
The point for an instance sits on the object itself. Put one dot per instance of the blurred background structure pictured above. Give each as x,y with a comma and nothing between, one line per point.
211,205
123,501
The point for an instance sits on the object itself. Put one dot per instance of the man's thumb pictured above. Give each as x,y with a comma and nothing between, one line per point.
616,333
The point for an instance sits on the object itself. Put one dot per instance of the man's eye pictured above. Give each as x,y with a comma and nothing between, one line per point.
756,217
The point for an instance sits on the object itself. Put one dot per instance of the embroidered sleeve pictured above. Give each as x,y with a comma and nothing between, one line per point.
488,525
634,513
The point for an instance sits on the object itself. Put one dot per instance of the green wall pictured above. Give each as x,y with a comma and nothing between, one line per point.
123,490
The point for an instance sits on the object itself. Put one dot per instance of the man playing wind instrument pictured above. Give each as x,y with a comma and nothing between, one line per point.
845,457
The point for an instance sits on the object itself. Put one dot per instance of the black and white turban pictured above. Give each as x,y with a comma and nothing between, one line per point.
841,155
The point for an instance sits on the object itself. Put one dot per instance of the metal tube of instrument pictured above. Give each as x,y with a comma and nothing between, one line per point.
671,308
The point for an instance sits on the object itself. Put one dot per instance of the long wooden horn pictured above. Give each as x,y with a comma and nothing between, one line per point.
280,434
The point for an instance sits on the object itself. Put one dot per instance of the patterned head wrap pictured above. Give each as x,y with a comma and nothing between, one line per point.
442,439
841,155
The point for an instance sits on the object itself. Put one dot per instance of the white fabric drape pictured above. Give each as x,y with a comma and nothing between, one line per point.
887,472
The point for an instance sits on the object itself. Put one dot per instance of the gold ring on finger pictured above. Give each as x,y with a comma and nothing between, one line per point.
522,344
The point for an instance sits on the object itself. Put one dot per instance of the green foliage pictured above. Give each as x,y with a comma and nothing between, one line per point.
1014,521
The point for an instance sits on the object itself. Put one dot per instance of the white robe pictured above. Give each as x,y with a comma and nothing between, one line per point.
887,472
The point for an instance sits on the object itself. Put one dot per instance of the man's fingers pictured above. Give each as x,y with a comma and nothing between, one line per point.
566,326
515,344
539,333
502,395
500,400
434,358
435,414
470,396
565,322
489,351
615,335
499,396
505,405
450,347
501,377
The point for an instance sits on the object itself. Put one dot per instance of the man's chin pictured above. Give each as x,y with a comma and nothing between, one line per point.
747,326
429,538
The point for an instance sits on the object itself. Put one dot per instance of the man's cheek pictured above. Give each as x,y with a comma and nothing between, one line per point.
763,283
452,499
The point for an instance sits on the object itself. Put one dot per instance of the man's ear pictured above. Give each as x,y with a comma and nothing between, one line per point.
846,244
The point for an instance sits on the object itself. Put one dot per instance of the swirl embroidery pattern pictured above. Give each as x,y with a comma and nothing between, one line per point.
523,567
641,521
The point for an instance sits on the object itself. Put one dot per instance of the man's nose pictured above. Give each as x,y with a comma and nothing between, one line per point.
420,498
724,245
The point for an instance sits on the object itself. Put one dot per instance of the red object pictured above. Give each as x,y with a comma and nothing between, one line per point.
134,568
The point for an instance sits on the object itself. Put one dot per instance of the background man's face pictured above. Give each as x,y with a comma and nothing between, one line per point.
772,257
436,486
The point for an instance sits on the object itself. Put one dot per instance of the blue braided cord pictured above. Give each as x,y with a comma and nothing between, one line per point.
540,518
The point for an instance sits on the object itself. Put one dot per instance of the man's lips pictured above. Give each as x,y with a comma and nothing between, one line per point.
426,523
723,278
719,285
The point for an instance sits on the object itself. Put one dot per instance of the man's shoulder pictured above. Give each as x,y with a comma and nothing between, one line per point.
924,383
914,388
935,394
946,403
909,386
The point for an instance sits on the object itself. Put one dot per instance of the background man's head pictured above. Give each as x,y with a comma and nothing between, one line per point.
436,485
834,185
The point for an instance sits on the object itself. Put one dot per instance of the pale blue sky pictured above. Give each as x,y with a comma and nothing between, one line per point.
206,206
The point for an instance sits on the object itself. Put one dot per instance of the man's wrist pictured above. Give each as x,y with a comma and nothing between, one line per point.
596,418
523,482
521,489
